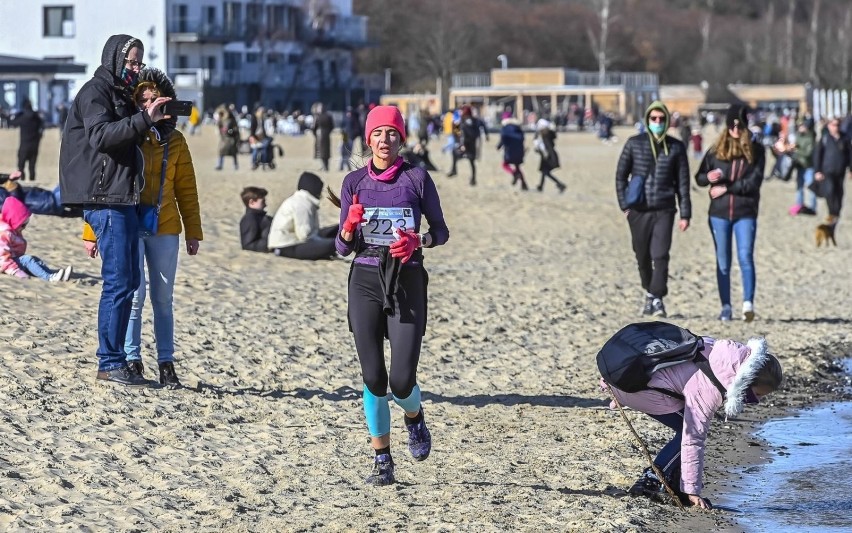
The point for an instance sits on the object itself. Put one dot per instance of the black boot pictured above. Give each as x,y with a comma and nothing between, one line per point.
168,375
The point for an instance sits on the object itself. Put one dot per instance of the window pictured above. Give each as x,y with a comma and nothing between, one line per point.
182,61
59,21
233,60
210,62
251,57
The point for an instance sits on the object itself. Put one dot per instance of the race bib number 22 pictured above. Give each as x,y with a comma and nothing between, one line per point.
382,220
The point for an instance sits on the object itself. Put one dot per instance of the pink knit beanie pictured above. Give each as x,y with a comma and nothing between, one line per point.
385,115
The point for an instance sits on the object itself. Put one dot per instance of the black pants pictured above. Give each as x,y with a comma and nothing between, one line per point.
319,247
28,153
458,155
404,328
833,191
652,238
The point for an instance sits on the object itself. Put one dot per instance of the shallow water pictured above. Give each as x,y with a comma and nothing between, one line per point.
807,486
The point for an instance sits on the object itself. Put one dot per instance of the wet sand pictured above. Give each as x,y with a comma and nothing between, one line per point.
268,434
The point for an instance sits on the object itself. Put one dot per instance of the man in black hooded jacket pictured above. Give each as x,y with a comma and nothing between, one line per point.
100,170
659,162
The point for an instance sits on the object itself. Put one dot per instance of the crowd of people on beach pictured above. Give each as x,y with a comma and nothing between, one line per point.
126,168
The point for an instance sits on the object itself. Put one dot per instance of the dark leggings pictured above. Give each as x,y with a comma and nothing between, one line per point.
404,328
28,153
833,189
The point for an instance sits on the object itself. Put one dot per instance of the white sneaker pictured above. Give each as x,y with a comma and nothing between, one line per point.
57,276
66,274
748,311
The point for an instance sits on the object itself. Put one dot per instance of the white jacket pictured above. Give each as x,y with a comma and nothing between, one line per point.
296,221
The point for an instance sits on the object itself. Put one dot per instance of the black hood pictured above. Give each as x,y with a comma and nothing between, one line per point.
115,52
164,83
164,128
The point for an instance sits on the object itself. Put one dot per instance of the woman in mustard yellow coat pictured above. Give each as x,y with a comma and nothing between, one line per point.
167,161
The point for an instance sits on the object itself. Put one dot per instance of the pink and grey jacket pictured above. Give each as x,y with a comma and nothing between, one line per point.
735,366
12,242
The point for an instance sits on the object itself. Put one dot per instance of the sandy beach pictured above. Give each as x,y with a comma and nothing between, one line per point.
268,433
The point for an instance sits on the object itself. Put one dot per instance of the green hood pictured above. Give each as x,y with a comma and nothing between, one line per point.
659,106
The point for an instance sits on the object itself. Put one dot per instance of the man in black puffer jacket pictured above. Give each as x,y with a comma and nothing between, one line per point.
661,162
100,170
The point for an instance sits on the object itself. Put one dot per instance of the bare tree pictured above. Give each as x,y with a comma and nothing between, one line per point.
706,21
768,44
844,39
598,42
788,37
813,42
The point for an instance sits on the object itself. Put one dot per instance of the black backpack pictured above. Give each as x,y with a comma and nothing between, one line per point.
629,358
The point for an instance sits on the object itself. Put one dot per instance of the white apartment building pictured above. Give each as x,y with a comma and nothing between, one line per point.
285,54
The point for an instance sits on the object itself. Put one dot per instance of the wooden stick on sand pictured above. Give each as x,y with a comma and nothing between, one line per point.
656,470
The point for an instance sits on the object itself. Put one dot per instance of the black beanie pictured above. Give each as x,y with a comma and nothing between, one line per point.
311,183
736,112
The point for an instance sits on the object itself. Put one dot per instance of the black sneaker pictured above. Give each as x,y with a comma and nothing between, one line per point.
382,473
123,376
648,484
648,308
168,375
657,308
136,367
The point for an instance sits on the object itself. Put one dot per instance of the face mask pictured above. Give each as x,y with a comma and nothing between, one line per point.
129,76
656,128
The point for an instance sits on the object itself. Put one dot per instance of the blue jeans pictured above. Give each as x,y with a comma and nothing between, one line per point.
804,177
668,460
34,266
160,252
117,232
745,230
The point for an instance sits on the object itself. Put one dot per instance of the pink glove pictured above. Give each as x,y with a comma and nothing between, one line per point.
355,217
714,175
407,242
21,274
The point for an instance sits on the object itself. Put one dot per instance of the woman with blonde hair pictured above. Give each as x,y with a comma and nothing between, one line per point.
733,169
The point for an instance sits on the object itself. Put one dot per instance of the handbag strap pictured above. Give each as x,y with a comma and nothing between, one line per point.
163,175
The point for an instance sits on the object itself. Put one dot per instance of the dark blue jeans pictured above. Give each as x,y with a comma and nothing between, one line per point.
117,232
668,460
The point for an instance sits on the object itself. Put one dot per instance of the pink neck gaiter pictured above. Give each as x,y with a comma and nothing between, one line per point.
388,174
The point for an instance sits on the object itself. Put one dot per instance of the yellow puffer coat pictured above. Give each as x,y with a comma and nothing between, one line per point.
180,194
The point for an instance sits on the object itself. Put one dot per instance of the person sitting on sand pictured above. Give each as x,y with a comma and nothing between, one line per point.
38,200
748,373
14,259
255,224
295,231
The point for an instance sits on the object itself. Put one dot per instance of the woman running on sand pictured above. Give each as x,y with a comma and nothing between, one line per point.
380,209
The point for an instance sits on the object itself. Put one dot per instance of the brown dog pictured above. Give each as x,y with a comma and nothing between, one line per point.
825,232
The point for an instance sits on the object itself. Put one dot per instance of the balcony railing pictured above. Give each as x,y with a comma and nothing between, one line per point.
348,32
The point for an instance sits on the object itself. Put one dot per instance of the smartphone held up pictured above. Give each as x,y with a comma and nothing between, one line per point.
180,108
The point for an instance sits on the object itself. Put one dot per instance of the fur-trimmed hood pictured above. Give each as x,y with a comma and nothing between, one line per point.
164,128
745,376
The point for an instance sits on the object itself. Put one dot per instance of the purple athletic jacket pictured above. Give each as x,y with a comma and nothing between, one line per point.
412,187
